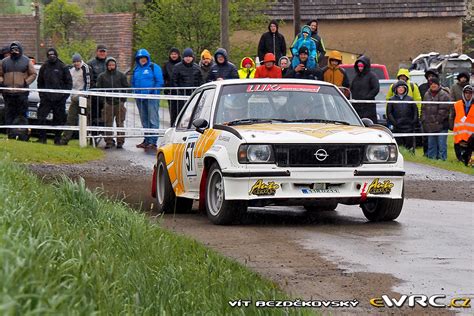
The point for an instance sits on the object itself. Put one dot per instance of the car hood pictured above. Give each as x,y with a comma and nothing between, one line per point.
311,133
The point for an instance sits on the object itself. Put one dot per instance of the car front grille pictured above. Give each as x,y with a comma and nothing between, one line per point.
319,155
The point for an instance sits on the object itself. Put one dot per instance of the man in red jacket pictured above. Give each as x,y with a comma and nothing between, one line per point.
268,69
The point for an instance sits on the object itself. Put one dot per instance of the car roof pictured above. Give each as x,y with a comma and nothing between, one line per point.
265,81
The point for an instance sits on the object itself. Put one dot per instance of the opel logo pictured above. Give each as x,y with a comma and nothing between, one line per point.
321,154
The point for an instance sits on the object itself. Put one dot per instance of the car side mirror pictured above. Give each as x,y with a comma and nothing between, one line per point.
200,124
367,122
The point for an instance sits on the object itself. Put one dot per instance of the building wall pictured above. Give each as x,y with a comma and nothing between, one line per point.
113,30
391,42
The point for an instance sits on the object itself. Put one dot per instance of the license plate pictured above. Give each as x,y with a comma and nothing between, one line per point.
34,115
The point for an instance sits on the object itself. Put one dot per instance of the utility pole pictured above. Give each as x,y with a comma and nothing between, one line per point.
225,24
296,16
36,14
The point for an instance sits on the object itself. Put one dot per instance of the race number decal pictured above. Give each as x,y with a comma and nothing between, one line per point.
189,160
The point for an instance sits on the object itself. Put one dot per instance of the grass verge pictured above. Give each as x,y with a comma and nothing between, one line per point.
66,250
31,152
451,164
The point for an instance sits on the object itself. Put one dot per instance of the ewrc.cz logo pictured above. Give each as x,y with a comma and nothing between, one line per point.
420,300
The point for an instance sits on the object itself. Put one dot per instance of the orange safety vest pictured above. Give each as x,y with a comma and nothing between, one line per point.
463,130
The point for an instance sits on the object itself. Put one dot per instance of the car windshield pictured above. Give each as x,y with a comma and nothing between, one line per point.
285,102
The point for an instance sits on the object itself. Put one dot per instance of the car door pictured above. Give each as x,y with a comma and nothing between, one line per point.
180,139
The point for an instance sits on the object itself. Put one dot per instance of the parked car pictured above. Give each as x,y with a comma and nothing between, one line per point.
380,71
382,96
276,142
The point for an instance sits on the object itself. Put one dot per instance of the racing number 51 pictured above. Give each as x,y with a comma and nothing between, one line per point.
190,161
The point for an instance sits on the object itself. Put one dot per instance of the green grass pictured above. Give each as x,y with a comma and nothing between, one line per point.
31,152
66,250
451,164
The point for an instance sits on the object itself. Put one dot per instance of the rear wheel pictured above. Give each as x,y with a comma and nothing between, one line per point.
219,210
166,200
382,210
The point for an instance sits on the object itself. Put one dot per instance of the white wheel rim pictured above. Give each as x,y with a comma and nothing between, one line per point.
215,192
161,183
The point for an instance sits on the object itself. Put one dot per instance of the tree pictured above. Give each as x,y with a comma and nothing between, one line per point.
60,20
468,31
111,6
192,23
7,6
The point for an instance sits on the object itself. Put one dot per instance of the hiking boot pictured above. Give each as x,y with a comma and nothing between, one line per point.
109,145
119,146
142,145
63,142
151,148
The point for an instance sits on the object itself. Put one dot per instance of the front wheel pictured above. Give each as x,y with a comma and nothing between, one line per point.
219,210
382,210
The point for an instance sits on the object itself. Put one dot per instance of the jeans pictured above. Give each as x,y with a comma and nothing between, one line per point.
437,146
150,117
116,112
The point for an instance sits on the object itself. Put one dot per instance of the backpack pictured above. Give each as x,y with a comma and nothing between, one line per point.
22,134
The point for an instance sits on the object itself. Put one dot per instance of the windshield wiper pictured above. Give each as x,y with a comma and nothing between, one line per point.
321,121
254,121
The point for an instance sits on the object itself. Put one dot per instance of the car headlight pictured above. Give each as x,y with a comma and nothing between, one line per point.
381,153
256,154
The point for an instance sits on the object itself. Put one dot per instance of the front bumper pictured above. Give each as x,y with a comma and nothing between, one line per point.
308,183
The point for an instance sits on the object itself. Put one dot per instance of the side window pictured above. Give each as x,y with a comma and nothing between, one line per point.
203,108
184,119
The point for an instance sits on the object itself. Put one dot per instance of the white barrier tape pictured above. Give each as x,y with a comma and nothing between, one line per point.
403,102
162,89
421,134
89,128
103,94
124,136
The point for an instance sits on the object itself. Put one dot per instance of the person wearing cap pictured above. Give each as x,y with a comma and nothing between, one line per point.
435,119
272,42
223,69
174,57
268,69
146,75
16,71
413,89
461,120
114,108
430,73
304,39
97,64
333,73
365,86
247,68
457,88
81,75
53,74
403,116
205,64
284,63
185,74
303,70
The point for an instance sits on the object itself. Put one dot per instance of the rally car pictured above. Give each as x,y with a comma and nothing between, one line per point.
241,143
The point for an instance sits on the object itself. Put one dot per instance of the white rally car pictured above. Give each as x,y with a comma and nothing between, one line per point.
240,143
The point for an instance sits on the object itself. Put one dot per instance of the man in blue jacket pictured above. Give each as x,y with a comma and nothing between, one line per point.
147,75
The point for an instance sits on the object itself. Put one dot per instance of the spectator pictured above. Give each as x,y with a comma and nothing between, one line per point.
53,74
365,86
429,74
462,123
16,71
146,75
205,64
313,24
413,90
435,119
333,73
403,116
457,88
174,57
97,64
268,69
5,52
304,39
185,74
81,75
222,69
247,68
272,42
302,70
284,64
114,108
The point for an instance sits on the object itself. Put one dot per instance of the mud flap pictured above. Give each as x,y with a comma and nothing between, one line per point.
153,183
202,191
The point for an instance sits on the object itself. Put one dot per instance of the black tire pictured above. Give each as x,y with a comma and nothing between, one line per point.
166,200
383,210
320,207
219,210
